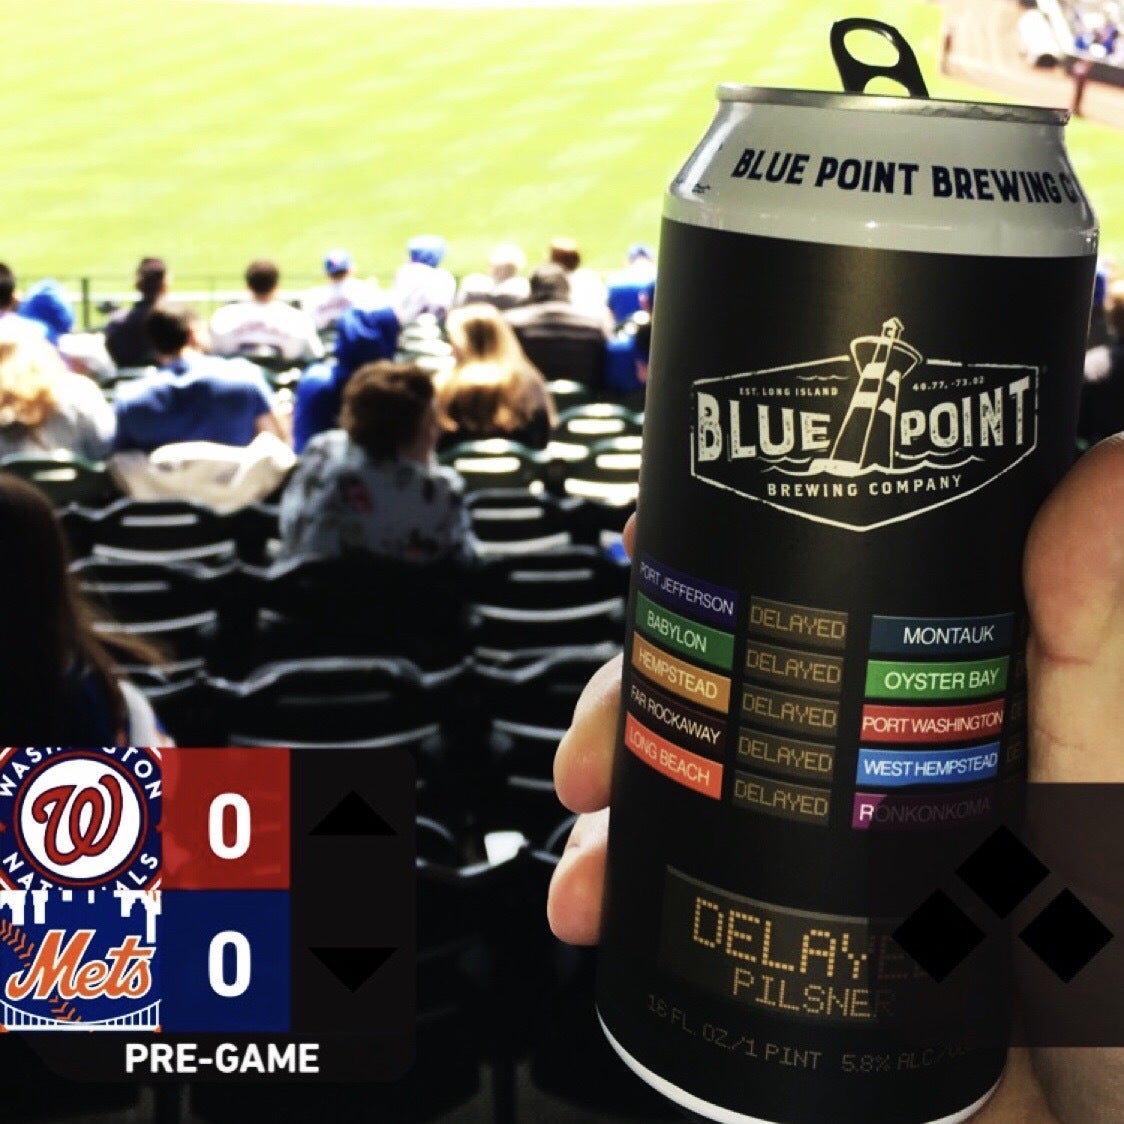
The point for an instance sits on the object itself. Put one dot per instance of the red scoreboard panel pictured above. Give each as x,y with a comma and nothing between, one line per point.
211,913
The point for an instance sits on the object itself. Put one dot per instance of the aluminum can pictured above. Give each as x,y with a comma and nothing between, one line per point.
870,321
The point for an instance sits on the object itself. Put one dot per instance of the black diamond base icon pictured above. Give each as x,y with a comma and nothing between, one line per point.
352,816
938,935
1065,936
353,967
1002,871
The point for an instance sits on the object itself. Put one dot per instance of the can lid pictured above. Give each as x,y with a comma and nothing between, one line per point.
856,75
918,107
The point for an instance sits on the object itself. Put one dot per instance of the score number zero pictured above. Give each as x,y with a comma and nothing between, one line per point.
229,938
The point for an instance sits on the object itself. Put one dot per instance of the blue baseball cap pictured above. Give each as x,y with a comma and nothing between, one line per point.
49,304
337,261
429,249
364,335
640,250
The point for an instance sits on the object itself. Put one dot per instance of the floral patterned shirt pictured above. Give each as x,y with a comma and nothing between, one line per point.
338,501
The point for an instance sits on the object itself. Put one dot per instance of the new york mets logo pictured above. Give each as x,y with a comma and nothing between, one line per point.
80,960
79,818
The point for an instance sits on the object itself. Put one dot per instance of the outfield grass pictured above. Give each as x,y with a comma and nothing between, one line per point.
211,133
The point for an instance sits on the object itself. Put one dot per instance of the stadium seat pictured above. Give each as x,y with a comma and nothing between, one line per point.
594,422
598,522
65,477
515,521
356,605
349,703
611,472
530,700
528,805
172,605
181,704
535,603
161,531
494,463
109,382
567,393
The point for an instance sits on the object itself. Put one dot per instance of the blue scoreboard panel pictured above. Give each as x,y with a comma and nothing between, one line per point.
208,913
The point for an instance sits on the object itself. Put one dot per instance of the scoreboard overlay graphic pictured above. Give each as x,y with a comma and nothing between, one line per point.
262,897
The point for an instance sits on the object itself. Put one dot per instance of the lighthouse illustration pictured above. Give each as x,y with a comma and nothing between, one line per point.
868,435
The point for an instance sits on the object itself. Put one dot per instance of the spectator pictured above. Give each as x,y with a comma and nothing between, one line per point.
125,338
58,682
493,391
373,485
626,363
265,325
15,325
48,304
561,341
43,406
629,285
1102,395
192,397
342,290
363,335
587,291
503,285
421,285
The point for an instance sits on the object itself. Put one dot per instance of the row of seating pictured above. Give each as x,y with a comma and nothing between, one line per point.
482,734
504,520
607,470
234,617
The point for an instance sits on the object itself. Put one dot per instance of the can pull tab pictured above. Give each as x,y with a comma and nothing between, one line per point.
857,74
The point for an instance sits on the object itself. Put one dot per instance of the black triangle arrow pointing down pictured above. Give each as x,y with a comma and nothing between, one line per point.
353,967
352,816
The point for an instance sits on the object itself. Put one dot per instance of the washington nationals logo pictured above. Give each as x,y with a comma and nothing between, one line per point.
79,818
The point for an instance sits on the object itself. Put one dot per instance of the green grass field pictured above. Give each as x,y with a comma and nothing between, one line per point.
211,133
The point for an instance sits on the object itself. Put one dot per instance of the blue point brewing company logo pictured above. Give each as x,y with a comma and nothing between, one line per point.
865,439
79,866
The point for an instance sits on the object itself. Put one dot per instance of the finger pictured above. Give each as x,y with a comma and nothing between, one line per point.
574,905
1074,577
628,535
584,761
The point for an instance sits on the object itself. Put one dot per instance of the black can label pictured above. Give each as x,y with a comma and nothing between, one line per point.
843,451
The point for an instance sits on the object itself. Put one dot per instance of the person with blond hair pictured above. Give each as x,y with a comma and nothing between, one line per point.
493,390
44,407
503,285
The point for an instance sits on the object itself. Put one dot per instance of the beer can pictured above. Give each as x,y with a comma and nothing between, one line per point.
867,348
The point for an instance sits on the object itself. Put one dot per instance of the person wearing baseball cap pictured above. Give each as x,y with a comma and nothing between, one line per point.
340,291
628,286
421,286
